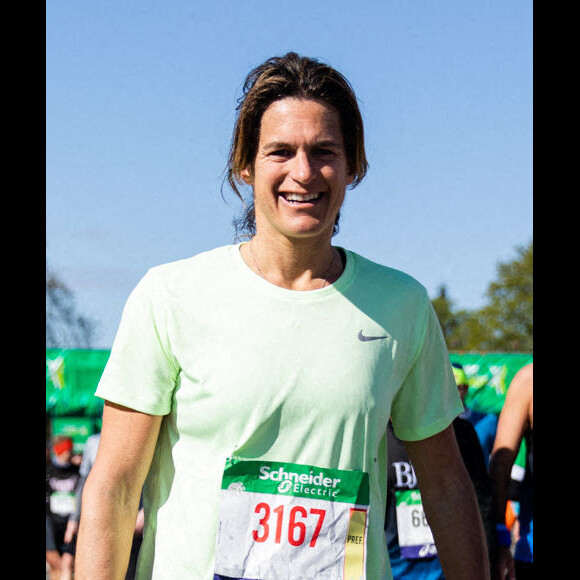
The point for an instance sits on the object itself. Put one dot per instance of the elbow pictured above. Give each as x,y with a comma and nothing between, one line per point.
101,491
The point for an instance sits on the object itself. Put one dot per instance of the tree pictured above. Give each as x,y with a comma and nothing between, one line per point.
505,323
65,328
447,319
509,314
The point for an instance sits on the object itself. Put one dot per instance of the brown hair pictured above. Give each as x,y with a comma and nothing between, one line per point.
292,76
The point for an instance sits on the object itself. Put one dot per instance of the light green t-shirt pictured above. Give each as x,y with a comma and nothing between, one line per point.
248,370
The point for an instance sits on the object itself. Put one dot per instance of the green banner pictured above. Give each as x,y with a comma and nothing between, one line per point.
489,376
72,376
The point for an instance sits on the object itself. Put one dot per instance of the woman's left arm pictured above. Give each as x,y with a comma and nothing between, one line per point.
451,506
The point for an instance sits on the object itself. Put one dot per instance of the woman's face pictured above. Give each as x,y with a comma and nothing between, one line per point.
300,172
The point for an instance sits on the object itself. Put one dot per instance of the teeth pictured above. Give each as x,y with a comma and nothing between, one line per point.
297,197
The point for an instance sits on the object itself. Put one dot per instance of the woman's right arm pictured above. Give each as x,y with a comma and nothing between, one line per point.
111,494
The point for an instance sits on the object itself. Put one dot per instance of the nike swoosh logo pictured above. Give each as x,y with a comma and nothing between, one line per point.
364,338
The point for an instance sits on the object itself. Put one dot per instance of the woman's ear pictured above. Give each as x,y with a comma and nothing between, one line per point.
246,175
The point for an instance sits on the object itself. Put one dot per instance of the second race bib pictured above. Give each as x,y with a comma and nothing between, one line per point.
415,536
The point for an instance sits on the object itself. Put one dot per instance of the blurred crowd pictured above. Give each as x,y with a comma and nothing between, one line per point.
66,473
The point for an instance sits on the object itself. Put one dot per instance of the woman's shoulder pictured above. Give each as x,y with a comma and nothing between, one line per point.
374,272
186,274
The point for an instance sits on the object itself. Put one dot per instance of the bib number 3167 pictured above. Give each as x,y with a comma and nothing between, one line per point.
283,521
295,528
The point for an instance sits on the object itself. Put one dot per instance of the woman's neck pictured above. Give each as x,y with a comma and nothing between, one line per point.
295,266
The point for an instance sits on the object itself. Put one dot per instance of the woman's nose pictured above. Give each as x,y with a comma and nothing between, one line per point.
303,169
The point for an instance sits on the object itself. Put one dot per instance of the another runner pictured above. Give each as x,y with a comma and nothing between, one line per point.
249,387
62,477
516,422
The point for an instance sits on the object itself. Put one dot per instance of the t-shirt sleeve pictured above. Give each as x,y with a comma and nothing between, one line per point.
428,399
141,371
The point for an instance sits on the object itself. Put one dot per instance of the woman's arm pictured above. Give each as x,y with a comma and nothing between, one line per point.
111,493
450,506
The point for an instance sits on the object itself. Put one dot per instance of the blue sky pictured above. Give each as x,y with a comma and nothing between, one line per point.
140,99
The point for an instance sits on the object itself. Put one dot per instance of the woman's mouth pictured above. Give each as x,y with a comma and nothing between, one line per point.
296,198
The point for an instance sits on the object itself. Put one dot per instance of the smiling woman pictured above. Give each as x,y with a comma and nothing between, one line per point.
244,360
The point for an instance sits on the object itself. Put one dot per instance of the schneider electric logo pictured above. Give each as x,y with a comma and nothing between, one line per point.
303,483
285,486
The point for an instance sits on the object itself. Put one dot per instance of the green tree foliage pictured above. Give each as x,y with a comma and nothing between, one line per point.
509,313
448,320
505,323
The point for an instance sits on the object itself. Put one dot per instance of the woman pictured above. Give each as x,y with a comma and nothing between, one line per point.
251,385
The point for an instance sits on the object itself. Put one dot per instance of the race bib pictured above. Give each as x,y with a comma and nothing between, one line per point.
415,536
284,521
62,503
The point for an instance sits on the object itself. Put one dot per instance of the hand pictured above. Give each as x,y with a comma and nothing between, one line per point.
140,523
504,566
72,527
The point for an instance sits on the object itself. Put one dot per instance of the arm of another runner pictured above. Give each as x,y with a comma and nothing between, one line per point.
513,421
112,491
450,506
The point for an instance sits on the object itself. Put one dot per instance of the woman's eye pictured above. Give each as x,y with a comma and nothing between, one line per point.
323,152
